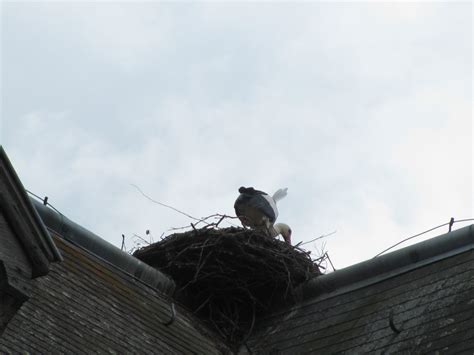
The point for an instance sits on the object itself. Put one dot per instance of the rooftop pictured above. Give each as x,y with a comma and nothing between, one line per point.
66,288
375,304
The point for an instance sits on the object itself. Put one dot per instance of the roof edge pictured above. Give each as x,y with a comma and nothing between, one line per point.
45,240
80,236
388,265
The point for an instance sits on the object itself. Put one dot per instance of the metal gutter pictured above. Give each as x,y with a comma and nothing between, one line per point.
389,265
75,234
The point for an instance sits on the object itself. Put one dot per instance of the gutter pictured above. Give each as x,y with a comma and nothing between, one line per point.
389,265
79,236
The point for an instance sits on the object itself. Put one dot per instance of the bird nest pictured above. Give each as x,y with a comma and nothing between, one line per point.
228,277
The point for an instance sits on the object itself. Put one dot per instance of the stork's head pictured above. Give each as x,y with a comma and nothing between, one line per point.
284,230
246,190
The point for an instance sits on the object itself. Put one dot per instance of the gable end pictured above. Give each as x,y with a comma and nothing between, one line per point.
24,222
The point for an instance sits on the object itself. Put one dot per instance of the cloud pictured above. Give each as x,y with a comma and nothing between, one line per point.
362,110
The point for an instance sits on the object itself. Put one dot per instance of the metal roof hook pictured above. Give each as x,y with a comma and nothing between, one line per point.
391,323
173,316
451,222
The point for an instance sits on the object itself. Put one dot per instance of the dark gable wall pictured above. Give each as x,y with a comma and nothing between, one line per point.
11,252
86,305
26,249
15,273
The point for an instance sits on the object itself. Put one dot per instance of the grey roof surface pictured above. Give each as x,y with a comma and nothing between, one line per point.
91,242
416,300
85,305
391,264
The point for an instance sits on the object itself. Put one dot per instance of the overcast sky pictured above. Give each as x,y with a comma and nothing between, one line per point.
363,110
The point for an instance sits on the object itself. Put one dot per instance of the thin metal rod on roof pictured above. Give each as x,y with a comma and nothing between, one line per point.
43,200
464,220
450,223
35,195
123,243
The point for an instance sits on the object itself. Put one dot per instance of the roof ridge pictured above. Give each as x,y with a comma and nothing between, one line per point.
80,236
389,265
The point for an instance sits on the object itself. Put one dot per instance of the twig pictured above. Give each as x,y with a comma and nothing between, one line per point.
202,305
330,262
199,220
313,240
205,221
163,204
141,238
217,224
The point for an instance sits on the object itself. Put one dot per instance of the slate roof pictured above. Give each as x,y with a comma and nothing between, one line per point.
85,305
416,300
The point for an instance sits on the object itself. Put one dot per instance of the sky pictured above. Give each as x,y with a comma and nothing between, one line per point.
362,109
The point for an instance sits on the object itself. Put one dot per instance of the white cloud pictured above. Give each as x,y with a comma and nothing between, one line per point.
362,110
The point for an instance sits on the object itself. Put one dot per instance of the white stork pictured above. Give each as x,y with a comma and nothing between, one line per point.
256,209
